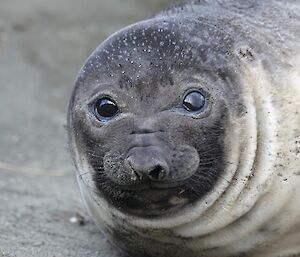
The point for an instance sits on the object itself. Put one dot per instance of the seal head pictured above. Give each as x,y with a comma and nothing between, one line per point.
149,113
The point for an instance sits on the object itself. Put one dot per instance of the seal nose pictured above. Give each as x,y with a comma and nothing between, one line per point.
148,166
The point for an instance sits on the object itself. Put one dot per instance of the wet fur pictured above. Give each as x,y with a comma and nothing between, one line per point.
242,200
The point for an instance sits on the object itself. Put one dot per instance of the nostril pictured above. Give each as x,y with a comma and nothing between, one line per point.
158,173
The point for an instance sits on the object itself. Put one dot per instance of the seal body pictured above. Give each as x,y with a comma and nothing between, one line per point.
185,131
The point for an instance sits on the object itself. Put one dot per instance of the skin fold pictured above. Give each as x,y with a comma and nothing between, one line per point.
201,154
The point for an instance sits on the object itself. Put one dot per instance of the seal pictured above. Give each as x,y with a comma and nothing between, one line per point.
185,131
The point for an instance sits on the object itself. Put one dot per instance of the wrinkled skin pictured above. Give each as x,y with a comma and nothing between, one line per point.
150,171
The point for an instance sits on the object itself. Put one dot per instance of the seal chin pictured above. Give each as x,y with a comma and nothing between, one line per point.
153,202
150,199
152,185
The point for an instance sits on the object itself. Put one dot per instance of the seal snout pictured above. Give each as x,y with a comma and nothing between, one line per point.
148,164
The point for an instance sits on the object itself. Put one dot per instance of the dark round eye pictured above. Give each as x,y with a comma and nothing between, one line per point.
193,101
106,108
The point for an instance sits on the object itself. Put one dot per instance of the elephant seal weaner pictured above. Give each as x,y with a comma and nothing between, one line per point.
185,130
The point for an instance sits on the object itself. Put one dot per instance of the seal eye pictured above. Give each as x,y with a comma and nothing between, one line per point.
105,109
193,101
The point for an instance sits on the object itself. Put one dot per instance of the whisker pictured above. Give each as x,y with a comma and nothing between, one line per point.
210,150
93,154
206,163
80,175
224,179
88,186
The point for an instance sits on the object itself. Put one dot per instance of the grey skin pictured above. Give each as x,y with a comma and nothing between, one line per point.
155,157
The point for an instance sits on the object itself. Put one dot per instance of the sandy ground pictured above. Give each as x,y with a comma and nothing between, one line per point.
43,43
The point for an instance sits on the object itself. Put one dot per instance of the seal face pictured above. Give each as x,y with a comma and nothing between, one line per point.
157,109
182,136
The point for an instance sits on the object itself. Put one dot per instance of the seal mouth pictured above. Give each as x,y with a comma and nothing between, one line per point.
151,199
152,202
152,186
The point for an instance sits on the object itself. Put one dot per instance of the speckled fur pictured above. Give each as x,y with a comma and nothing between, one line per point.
246,55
